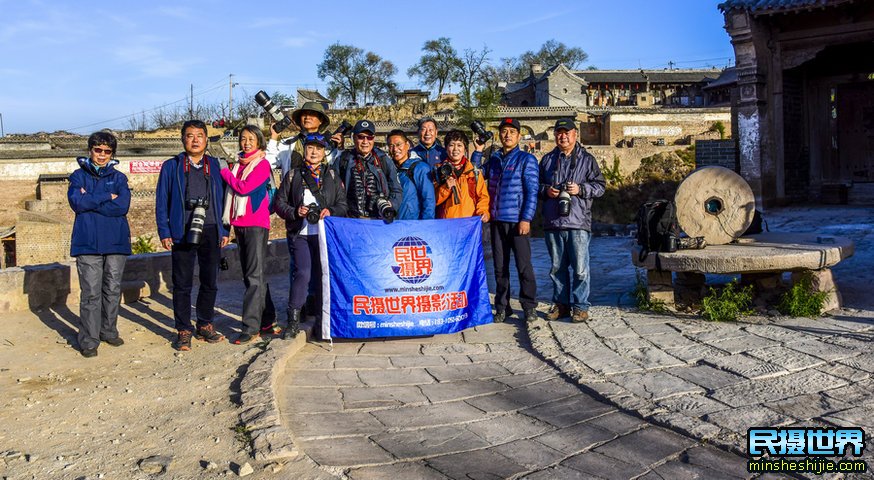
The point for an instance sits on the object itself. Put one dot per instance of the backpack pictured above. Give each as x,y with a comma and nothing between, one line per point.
756,225
656,226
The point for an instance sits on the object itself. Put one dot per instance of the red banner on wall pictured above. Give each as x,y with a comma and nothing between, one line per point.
146,166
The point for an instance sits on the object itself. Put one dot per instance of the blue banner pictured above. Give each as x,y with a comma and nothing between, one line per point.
407,278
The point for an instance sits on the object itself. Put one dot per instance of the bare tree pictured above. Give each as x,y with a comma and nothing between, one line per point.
474,64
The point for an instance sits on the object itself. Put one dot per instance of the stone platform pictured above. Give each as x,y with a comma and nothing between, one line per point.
759,259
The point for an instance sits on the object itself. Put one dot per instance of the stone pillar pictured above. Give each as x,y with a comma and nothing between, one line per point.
755,132
660,287
823,281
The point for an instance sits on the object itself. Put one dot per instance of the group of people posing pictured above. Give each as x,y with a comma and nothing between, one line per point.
199,198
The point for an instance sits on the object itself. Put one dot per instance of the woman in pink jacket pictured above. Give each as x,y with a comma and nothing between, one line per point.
246,208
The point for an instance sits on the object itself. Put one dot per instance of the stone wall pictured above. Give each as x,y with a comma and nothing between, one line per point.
666,125
721,153
42,286
40,239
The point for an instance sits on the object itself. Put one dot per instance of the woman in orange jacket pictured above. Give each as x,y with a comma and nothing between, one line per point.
471,196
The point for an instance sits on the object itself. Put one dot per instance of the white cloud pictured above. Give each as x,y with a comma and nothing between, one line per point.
183,13
296,42
525,23
270,23
145,55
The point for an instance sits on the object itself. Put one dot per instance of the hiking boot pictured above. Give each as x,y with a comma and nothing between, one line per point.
115,342
557,311
579,316
207,333
293,327
183,341
88,352
245,338
501,317
531,315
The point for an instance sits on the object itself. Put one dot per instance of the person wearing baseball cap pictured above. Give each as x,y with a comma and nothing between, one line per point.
569,174
368,173
313,184
513,181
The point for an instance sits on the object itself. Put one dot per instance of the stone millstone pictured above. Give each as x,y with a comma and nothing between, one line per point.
715,203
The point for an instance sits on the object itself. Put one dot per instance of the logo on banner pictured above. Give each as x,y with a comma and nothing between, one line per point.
412,260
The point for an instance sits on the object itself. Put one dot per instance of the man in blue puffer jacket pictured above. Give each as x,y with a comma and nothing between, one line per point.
100,197
187,180
513,183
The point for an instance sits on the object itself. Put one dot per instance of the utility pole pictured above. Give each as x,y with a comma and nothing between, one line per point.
670,65
230,97
191,103
2,133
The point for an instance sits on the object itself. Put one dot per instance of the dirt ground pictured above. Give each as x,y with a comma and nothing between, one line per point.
63,416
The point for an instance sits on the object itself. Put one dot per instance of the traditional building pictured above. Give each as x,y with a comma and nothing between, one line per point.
304,96
560,86
805,112
415,97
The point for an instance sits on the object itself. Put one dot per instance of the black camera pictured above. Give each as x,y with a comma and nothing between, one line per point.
281,119
314,213
564,200
344,128
444,171
199,206
482,135
385,210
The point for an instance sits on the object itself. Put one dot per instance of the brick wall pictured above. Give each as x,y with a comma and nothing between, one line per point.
721,153
42,242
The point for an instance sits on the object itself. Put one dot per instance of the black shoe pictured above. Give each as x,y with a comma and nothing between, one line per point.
531,315
500,317
115,342
89,352
183,341
293,327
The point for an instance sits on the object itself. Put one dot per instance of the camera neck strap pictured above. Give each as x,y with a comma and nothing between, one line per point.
204,169
572,157
313,186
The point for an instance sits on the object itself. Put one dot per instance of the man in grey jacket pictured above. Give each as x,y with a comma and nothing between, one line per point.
569,180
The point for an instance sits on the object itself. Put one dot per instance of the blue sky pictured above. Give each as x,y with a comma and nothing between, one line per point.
82,66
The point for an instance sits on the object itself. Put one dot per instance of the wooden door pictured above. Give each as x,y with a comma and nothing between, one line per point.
855,126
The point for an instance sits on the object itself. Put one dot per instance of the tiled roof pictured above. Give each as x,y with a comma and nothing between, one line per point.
766,6
654,76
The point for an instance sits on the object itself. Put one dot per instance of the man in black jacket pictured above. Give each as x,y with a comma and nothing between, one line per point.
569,180
368,174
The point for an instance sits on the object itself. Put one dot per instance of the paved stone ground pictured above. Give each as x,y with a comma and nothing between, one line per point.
480,404
476,404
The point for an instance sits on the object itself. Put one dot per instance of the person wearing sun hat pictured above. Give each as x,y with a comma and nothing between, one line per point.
313,183
288,153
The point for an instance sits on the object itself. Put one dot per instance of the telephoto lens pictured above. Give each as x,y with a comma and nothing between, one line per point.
344,128
198,217
386,211
564,202
482,135
281,119
313,214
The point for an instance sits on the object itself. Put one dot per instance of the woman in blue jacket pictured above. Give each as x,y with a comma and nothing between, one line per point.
100,196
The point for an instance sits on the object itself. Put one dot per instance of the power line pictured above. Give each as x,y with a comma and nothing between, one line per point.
181,100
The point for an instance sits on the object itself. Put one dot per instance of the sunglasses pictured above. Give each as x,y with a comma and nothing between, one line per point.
361,136
105,151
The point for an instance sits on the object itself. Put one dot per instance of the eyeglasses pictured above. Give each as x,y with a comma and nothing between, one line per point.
105,151
361,136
